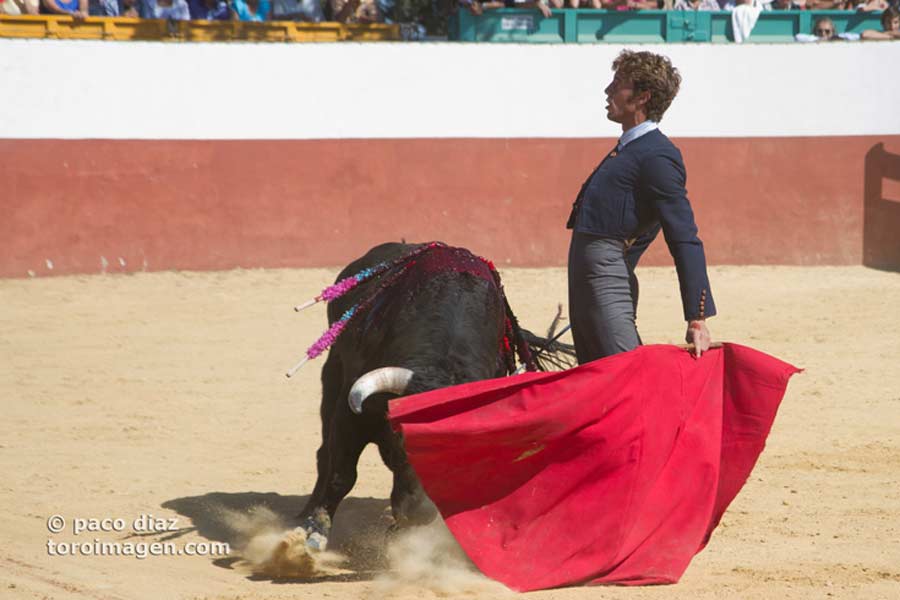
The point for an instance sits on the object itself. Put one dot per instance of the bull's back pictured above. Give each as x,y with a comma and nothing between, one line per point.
452,325
441,310
382,253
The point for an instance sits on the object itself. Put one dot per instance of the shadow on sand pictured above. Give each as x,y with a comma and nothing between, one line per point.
359,531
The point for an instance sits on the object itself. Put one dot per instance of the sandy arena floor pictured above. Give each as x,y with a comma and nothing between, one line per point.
163,394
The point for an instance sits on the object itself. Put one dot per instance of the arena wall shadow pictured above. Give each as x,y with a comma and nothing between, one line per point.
881,233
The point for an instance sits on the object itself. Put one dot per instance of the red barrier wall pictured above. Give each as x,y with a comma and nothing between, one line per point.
221,204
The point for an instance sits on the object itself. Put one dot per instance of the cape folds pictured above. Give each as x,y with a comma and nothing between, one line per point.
616,471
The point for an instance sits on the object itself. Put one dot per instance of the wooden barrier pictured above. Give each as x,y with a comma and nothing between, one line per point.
120,28
91,206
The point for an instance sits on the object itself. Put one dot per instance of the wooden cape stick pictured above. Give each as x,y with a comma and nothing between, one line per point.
691,346
688,347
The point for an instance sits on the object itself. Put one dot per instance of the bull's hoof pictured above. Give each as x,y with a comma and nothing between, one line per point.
391,533
288,558
317,541
317,527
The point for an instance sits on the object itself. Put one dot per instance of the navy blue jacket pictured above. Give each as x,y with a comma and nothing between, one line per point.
636,192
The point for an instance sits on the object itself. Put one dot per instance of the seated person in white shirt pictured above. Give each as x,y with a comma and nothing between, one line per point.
823,30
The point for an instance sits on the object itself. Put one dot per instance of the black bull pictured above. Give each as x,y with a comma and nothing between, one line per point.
436,320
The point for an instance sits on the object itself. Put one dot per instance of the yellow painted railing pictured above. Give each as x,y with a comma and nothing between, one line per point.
120,28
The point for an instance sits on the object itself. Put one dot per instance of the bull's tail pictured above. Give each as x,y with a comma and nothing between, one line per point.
549,354
541,353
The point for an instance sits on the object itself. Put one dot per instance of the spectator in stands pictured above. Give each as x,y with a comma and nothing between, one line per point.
20,7
174,10
696,5
865,6
209,10
251,10
890,25
744,16
645,4
544,6
103,8
558,4
632,4
130,9
825,31
789,4
473,6
297,10
77,9
476,7
355,11
825,4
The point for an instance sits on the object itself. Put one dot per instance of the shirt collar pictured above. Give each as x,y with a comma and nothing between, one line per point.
636,132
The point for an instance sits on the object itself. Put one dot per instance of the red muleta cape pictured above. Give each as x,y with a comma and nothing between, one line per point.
616,471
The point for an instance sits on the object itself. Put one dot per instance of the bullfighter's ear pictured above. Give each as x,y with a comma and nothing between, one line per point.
643,98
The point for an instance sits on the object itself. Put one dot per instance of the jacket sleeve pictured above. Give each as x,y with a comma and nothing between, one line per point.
662,182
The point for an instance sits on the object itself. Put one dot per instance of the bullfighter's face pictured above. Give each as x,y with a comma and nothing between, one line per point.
622,102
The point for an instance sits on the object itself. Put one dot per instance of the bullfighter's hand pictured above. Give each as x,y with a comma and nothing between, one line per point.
698,335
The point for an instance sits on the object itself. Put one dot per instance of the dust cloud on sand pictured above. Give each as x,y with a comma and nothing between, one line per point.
420,560
428,559
268,547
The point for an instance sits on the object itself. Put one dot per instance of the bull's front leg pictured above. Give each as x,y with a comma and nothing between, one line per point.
332,382
410,505
337,474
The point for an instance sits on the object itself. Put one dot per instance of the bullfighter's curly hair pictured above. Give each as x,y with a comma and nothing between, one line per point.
650,73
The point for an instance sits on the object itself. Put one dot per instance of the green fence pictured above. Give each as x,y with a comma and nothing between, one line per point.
646,26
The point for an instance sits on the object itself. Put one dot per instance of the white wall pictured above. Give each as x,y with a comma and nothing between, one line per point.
148,90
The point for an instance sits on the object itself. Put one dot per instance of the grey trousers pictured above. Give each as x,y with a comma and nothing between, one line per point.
603,297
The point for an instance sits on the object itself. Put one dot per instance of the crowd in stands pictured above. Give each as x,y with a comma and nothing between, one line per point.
744,12
823,29
357,11
478,6
890,26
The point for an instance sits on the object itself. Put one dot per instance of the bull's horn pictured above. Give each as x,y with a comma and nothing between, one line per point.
387,379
